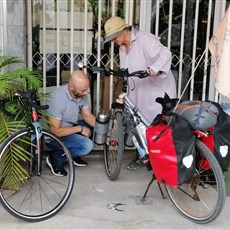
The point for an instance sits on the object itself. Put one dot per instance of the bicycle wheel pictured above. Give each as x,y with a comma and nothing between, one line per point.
24,193
114,146
203,198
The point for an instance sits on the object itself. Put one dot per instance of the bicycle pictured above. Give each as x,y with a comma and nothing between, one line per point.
28,189
203,198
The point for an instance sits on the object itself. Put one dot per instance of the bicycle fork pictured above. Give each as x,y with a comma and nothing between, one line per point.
112,143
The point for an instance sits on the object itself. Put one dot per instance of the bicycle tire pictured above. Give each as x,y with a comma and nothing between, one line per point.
204,203
25,194
114,146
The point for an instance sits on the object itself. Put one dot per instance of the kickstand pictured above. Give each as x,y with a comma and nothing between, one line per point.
147,189
162,194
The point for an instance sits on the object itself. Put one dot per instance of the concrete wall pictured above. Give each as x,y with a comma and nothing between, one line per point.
13,28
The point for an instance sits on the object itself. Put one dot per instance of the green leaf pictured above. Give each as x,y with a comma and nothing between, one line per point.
12,173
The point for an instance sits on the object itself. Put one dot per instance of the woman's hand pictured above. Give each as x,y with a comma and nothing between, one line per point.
153,73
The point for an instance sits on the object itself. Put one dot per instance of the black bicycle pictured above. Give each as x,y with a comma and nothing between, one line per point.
28,189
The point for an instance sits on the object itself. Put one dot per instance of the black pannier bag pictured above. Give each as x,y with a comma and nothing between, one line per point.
172,151
219,139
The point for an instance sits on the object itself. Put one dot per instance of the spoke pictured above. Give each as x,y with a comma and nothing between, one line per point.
194,197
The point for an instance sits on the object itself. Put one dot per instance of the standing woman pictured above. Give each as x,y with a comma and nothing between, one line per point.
140,50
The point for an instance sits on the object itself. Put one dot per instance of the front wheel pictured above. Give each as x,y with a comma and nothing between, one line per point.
203,198
114,146
27,191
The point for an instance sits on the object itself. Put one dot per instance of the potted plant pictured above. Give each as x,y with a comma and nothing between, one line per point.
10,81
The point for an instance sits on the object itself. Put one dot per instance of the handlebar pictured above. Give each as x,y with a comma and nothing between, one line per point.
120,72
28,95
31,97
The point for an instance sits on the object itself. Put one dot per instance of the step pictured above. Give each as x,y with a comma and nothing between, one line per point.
97,152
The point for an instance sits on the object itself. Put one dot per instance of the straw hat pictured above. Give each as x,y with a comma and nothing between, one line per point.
114,27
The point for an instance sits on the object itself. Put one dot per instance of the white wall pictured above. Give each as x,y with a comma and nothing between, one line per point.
1,27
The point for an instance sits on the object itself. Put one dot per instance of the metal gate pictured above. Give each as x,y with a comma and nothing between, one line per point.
64,32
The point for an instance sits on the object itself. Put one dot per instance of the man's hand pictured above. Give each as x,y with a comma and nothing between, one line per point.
86,131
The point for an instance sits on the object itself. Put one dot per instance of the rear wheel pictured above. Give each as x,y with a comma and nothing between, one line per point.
114,146
203,198
24,192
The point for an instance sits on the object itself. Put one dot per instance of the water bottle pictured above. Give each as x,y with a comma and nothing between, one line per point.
141,130
128,139
140,150
101,128
143,152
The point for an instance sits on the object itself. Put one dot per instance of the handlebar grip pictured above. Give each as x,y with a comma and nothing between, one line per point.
93,68
97,69
3,107
144,74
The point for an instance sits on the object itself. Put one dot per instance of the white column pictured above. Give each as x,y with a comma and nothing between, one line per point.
112,59
99,36
4,27
181,48
206,53
145,15
29,34
194,49
71,34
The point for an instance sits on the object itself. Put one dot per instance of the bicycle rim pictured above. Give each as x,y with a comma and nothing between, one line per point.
25,194
203,198
114,147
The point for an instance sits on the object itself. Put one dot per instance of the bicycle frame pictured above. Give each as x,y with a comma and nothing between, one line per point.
31,97
130,111
37,138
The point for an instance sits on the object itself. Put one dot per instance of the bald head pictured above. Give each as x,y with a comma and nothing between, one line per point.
78,77
78,83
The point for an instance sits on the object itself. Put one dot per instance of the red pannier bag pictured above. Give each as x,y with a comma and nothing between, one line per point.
219,139
172,152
